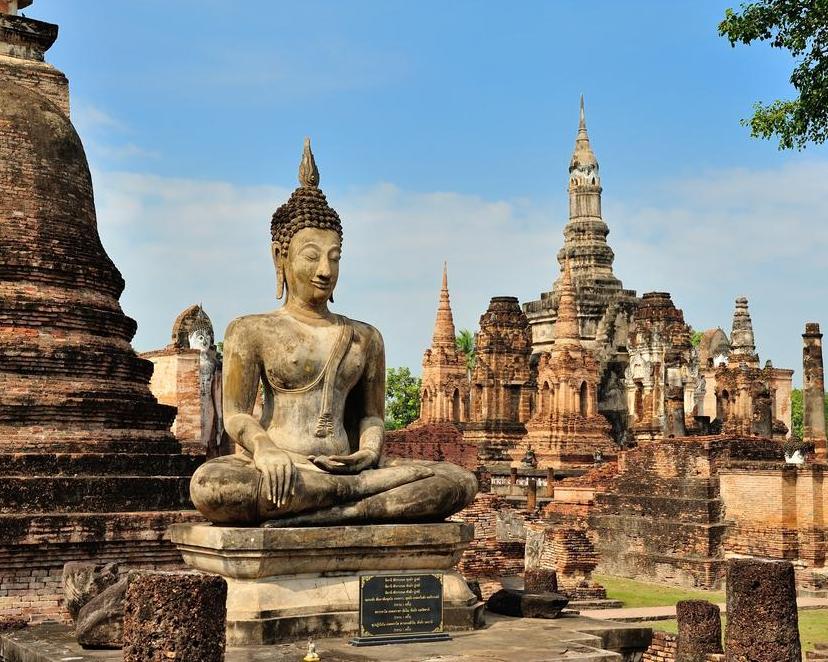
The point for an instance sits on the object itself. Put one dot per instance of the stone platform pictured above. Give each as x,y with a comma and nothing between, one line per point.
569,638
286,584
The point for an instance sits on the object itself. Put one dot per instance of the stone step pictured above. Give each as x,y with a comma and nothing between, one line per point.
97,464
93,494
115,413
20,530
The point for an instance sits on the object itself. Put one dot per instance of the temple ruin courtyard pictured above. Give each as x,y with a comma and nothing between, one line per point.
583,476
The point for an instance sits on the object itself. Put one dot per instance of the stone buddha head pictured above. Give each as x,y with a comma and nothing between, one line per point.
201,332
306,240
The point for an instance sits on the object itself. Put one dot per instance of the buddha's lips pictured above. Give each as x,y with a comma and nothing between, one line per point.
321,285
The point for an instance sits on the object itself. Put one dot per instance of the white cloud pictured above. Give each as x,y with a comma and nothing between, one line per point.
707,240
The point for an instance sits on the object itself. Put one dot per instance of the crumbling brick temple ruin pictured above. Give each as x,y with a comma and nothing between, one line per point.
591,372
187,375
89,469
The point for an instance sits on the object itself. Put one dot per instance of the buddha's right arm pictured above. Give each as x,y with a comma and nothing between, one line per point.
240,385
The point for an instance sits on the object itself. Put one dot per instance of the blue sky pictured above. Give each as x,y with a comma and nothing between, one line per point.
442,131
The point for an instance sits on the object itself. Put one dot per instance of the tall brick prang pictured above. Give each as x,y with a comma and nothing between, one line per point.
444,394
813,389
501,381
88,466
566,429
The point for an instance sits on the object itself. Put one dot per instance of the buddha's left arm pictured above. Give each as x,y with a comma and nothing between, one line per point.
372,424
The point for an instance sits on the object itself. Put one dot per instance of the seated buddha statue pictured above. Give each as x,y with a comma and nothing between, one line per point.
314,457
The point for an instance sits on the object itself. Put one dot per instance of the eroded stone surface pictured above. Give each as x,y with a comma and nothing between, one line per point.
174,616
699,630
762,622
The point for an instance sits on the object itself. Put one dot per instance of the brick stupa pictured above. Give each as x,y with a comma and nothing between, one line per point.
89,469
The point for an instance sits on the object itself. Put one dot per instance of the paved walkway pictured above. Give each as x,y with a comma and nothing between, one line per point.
635,614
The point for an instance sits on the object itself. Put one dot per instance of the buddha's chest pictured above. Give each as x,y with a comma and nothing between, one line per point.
299,360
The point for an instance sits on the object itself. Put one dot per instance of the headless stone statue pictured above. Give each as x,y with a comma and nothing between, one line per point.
315,456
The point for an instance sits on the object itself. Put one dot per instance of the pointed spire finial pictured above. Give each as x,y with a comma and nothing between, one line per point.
445,274
582,116
308,172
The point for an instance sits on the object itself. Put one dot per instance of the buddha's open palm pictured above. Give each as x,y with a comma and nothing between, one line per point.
345,464
278,472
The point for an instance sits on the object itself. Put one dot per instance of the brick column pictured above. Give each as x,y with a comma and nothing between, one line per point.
813,388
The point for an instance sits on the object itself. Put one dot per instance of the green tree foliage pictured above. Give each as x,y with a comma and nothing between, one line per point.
801,28
696,337
465,343
798,411
402,398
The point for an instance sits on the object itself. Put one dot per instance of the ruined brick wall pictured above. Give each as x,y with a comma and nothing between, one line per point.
440,442
663,517
570,553
31,570
486,557
777,510
663,649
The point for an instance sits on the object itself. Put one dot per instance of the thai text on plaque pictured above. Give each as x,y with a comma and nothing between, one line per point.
400,604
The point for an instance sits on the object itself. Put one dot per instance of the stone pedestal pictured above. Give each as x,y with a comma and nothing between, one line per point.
290,583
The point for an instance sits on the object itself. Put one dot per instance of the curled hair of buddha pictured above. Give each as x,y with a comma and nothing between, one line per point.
307,206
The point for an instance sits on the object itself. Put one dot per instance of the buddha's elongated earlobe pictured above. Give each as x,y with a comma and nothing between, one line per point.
280,283
279,263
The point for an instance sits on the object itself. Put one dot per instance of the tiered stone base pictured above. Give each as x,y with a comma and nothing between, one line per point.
285,584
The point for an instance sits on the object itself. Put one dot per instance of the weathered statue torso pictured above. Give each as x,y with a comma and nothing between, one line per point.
314,457
294,355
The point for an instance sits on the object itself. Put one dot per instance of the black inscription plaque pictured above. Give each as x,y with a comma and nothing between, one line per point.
400,608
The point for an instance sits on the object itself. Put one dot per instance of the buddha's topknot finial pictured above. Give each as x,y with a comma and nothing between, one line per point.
308,172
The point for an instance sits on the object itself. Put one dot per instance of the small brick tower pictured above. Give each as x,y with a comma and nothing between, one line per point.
444,395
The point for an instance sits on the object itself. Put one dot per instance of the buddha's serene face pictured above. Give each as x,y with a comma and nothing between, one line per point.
312,265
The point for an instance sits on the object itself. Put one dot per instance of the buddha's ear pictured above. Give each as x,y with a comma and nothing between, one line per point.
279,263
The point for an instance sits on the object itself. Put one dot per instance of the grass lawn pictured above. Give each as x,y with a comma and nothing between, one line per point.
643,594
813,626
813,623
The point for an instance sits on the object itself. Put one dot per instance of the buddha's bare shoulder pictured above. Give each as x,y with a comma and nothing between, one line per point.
365,332
251,326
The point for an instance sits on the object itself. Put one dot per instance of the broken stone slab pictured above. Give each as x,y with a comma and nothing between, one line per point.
514,602
100,622
83,580
175,616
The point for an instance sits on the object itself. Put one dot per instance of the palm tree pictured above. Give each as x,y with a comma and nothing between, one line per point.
465,343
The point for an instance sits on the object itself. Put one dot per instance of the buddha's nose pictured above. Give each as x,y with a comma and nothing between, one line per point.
323,271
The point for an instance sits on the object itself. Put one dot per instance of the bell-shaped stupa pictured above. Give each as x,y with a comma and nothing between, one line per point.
88,466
